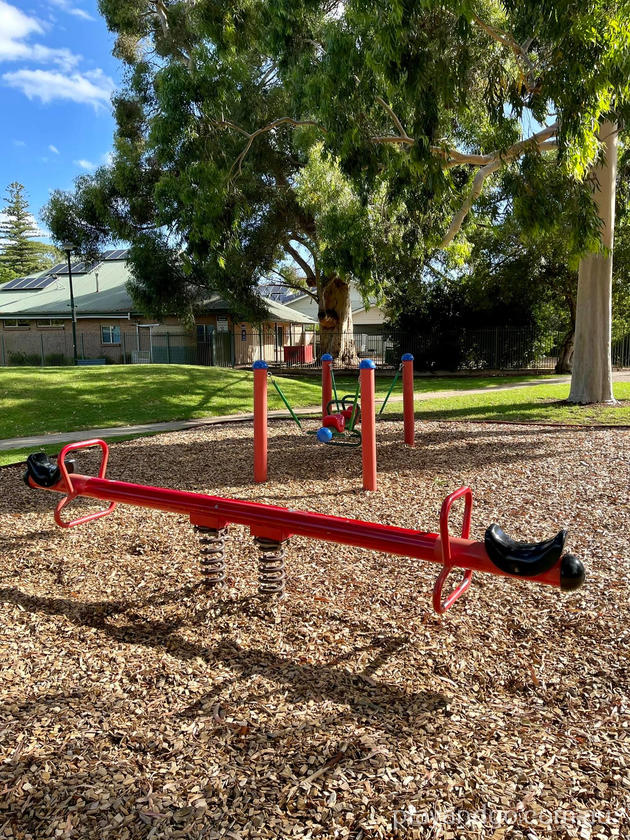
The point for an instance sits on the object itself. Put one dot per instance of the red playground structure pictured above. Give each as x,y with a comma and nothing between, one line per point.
339,426
272,526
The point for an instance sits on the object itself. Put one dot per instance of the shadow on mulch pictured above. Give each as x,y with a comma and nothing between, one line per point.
302,681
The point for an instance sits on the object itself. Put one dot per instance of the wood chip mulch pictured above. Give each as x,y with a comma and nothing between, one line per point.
136,703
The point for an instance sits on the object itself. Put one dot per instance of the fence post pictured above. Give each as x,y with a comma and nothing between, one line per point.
327,362
408,418
368,424
168,348
260,421
124,349
233,347
4,355
83,345
41,342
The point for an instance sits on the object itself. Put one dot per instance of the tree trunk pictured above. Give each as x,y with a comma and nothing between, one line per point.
565,359
591,381
335,322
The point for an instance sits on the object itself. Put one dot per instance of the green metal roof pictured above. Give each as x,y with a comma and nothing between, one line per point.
111,298
102,291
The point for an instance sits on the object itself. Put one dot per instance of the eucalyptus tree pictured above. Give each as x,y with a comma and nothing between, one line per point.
453,92
203,206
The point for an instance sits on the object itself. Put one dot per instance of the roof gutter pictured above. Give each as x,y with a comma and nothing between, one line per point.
63,316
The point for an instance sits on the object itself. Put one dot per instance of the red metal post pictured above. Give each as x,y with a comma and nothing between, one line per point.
368,424
407,378
327,363
260,421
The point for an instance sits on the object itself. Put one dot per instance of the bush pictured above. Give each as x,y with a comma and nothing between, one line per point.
21,359
57,360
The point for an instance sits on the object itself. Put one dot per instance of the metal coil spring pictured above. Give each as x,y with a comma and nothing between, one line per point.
212,554
271,575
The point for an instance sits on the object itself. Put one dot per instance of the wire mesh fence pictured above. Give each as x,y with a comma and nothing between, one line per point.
501,348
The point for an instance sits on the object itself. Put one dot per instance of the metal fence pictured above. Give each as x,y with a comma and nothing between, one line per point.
502,348
621,352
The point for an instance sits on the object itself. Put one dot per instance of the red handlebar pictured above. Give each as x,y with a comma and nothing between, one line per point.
439,605
71,492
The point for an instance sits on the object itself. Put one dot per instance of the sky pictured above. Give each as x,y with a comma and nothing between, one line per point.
57,75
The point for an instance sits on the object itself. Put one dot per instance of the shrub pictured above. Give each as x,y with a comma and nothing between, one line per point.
57,360
21,359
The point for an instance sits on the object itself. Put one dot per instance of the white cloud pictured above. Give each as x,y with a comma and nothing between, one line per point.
15,30
53,149
91,88
19,143
81,13
84,164
66,6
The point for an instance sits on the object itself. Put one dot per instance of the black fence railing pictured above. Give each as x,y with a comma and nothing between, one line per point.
621,352
501,348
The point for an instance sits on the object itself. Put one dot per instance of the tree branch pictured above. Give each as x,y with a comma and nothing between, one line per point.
295,286
520,52
402,134
251,136
539,141
301,262
162,16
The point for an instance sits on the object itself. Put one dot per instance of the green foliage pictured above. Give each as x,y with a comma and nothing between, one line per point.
461,75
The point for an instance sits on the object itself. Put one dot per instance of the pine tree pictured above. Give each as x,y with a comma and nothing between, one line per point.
19,254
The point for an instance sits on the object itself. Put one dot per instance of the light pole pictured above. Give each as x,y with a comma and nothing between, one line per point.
68,247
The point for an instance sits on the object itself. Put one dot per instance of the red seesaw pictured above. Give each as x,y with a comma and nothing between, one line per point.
272,526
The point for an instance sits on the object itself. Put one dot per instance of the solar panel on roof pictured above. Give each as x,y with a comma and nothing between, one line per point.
18,283
55,269
27,284
77,268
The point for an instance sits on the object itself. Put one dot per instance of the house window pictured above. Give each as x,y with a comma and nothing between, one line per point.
16,323
50,323
204,332
110,335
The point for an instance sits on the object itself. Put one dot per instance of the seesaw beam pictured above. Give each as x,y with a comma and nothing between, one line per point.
275,524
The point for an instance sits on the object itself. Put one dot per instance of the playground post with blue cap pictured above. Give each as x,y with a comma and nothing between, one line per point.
327,363
408,418
368,420
260,421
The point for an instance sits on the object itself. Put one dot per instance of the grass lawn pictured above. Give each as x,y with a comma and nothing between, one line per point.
540,403
40,400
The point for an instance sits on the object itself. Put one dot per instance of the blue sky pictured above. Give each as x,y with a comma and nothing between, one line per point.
56,78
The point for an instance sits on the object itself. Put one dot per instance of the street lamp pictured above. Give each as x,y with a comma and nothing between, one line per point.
68,247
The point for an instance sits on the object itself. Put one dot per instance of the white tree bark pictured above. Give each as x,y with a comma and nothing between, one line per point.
591,381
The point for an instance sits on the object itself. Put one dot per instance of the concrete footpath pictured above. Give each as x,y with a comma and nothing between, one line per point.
176,425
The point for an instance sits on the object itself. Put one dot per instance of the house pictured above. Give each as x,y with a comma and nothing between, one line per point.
36,323
368,332
368,319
